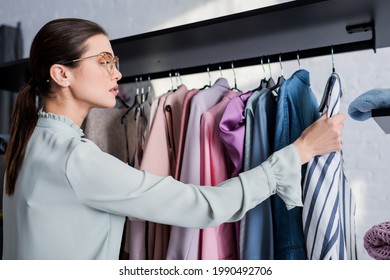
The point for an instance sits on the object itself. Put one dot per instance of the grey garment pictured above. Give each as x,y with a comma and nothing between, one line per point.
11,48
71,198
104,128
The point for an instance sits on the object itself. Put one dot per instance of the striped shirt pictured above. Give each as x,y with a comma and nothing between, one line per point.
328,204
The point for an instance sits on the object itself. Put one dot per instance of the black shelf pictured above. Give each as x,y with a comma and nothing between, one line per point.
307,27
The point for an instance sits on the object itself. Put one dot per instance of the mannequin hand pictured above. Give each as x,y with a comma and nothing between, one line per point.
320,138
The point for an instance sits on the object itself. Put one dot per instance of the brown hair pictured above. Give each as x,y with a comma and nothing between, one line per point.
58,41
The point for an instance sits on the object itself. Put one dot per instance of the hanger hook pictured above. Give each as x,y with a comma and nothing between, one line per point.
177,79
137,87
280,62
220,70
208,72
150,83
299,62
333,69
142,87
181,81
170,77
262,65
234,75
269,66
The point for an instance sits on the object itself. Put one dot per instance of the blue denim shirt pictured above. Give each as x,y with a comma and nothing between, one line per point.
296,110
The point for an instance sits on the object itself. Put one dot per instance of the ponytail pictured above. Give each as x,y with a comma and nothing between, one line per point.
23,121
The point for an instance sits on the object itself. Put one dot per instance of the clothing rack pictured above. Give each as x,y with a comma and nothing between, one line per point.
307,28
270,58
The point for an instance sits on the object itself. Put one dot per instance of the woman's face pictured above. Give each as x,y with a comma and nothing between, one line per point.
94,81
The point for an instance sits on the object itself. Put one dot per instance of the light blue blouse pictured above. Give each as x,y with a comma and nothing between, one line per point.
71,198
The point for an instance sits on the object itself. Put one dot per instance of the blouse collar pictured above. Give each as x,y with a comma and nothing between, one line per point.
47,118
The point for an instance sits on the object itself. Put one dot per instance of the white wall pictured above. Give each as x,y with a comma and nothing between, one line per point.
366,153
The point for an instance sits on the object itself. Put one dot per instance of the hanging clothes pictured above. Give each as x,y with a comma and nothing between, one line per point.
96,126
135,232
180,237
217,243
160,159
249,119
122,138
156,160
92,182
232,132
185,113
296,110
190,168
257,228
329,231
101,121
173,113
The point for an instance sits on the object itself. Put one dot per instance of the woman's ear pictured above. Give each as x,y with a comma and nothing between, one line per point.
59,75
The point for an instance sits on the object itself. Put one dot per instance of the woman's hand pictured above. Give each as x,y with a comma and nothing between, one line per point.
322,137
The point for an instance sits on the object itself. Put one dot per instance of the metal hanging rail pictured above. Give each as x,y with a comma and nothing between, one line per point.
292,55
305,27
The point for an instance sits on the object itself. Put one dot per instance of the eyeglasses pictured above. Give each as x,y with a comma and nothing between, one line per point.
107,60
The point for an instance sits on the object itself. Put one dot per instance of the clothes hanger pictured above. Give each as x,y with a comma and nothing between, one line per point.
136,97
299,62
170,77
179,81
135,104
270,82
124,122
209,84
263,82
325,97
120,99
149,89
141,99
235,80
281,78
142,95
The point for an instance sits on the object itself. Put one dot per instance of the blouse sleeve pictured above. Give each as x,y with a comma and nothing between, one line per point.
105,183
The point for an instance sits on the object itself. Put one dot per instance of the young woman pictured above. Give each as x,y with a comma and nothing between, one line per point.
66,199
